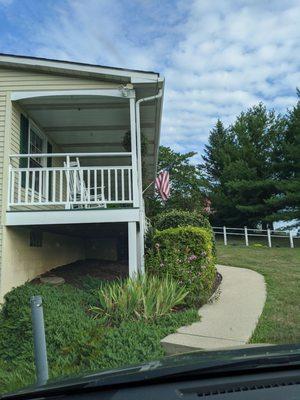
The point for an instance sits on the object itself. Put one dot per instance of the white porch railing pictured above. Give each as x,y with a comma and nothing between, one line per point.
69,186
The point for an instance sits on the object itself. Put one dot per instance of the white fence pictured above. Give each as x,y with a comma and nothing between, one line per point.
246,234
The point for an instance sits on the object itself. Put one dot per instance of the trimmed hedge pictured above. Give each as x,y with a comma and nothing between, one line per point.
176,218
185,254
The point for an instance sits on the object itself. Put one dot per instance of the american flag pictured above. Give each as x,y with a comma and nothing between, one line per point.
162,183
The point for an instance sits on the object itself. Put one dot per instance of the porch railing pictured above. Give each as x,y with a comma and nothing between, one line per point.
69,186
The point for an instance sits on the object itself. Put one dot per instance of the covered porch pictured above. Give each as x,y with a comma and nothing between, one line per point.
76,150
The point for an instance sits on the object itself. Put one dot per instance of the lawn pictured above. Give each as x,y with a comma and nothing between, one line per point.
280,320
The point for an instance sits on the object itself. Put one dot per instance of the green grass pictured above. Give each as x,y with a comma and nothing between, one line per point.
280,320
76,343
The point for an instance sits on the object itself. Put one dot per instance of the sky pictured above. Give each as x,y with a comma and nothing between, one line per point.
219,57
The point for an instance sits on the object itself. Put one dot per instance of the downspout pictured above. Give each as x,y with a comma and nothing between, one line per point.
140,174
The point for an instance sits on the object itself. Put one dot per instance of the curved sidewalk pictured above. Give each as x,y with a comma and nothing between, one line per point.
230,320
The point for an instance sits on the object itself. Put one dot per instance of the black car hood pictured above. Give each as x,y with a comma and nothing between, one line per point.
166,367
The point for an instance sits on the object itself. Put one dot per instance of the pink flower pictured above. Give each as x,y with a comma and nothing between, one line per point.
192,258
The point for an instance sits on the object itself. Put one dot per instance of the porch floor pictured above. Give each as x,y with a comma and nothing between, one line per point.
74,273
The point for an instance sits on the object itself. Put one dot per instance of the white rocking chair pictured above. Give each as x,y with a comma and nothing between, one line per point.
78,192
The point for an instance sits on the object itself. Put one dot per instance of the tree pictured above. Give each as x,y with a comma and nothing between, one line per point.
186,181
242,178
216,155
287,202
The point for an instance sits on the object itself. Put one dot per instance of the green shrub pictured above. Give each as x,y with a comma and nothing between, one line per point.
76,343
145,298
139,341
176,218
68,326
185,254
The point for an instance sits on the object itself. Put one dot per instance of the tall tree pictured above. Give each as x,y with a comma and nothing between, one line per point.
217,155
246,179
287,201
186,181
216,152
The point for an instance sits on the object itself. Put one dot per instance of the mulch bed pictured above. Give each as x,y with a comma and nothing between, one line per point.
104,270
74,272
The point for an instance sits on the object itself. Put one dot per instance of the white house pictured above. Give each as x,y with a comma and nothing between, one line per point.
71,163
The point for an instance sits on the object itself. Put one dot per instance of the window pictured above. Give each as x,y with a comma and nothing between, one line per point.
36,239
36,146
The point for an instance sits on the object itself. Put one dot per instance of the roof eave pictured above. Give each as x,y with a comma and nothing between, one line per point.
78,69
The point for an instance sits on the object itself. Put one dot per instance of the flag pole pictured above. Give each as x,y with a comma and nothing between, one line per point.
148,186
168,168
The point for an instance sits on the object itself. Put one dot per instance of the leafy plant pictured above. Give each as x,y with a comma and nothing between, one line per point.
76,343
187,180
176,218
67,324
186,255
127,143
145,297
139,341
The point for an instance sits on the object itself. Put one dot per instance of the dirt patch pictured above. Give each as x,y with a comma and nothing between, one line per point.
74,272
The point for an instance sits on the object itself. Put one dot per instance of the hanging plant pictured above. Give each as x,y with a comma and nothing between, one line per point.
127,143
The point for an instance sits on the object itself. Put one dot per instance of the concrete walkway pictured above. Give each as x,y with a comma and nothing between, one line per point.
230,320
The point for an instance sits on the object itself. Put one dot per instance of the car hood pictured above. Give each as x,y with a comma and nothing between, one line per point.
177,365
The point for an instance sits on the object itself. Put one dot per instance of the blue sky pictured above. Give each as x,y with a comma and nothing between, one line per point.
218,57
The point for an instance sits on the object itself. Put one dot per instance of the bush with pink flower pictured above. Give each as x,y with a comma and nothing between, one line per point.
186,254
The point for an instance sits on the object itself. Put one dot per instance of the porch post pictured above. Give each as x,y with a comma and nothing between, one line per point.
132,249
137,189
135,172
141,236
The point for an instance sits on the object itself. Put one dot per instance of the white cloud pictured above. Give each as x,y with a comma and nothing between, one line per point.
6,2
218,58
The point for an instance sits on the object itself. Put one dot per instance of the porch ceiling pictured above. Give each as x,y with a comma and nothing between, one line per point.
91,123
